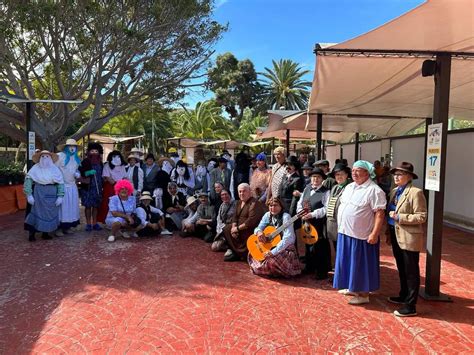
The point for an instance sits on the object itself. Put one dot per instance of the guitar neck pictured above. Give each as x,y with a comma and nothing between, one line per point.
285,225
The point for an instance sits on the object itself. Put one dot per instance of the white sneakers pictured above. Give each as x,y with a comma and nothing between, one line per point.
165,231
111,238
125,235
346,292
359,300
134,235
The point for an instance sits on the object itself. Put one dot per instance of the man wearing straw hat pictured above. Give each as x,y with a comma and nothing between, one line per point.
153,221
68,162
44,188
134,174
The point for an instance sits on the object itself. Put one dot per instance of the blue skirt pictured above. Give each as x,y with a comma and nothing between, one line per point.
357,265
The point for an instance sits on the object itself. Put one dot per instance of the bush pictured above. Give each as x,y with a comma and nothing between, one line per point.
11,174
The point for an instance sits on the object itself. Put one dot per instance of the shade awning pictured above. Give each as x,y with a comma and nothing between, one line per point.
381,85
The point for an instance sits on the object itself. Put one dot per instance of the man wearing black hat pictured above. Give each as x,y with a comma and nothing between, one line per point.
315,198
323,164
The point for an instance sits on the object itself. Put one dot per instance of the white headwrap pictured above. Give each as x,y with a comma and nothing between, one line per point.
45,172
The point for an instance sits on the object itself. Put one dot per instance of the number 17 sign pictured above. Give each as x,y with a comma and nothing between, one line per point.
433,157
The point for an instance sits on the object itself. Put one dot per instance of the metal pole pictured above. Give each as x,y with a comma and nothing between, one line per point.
356,152
442,80
319,135
29,112
287,142
426,192
324,149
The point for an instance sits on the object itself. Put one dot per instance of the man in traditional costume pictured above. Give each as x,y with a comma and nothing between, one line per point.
44,188
68,162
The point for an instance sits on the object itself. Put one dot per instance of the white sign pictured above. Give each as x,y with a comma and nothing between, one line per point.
433,157
31,144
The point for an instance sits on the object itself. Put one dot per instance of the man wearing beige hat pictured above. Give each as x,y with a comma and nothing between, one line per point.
134,174
68,162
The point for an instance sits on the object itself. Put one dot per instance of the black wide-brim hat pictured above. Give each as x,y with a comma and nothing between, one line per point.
317,171
406,167
340,167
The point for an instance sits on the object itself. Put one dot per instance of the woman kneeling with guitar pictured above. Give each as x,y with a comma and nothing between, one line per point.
282,259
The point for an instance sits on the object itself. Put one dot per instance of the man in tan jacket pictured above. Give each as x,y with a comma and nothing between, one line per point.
407,214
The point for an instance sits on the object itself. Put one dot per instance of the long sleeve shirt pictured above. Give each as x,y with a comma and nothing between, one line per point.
287,236
320,212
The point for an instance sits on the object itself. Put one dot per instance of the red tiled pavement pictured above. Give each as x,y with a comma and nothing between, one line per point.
81,294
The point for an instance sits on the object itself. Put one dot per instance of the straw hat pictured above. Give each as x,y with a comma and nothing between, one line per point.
70,141
37,155
190,200
146,196
136,151
133,156
162,159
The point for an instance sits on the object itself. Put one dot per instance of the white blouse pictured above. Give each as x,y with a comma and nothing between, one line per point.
356,214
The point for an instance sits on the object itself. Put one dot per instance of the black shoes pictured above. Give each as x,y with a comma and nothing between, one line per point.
405,312
32,238
46,236
396,300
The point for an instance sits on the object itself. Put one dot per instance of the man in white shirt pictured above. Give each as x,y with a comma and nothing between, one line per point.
135,174
360,218
152,218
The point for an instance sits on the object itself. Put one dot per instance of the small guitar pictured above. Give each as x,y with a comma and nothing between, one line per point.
258,249
308,234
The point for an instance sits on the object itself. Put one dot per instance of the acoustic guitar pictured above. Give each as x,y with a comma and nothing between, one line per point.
307,233
258,249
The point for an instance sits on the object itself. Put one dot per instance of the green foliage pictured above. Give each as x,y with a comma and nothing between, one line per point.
284,87
234,83
249,125
11,173
204,122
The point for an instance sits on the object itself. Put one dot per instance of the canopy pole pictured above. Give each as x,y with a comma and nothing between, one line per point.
426,192
324,149
287,142
319,135
442,78
356,152
29,112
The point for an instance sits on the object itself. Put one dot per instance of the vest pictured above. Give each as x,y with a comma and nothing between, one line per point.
315,201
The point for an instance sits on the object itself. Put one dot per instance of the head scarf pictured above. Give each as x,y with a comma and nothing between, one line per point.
365,165
261,157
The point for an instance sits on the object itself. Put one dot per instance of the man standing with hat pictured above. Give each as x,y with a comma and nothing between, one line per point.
44,189
68,162
407,214
323,164
134,174
360,219
315,198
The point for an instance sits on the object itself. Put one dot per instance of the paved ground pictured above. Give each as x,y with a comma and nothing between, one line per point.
81,294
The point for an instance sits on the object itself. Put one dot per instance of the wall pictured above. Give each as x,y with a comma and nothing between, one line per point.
459,185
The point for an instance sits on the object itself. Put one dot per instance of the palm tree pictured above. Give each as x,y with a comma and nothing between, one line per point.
204,122
285,87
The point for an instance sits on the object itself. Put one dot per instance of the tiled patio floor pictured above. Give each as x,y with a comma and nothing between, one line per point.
81,294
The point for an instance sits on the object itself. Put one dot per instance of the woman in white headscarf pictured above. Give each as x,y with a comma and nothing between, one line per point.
44,188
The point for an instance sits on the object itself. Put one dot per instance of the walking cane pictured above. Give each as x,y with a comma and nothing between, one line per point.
96,185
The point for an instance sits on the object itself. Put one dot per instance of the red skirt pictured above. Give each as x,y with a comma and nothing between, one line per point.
104,205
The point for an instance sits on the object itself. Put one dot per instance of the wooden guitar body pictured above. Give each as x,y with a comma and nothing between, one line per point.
308,233
258,249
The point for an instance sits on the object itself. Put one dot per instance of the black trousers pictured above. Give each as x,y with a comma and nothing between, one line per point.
408,271
318,257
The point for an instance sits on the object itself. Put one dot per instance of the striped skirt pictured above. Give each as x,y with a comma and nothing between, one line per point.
357,265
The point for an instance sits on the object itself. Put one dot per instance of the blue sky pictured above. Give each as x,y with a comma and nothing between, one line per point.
262,30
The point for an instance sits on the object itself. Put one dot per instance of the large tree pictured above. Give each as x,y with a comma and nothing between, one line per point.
285,87
112,55
234,83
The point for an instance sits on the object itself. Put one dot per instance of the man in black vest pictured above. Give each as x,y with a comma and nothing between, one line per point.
135,174
315,197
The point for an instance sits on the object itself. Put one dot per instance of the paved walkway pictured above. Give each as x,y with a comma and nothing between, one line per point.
81,294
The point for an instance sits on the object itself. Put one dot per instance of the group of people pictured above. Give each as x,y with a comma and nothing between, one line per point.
225,201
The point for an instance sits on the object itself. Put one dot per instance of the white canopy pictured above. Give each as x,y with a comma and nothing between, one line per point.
392,85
